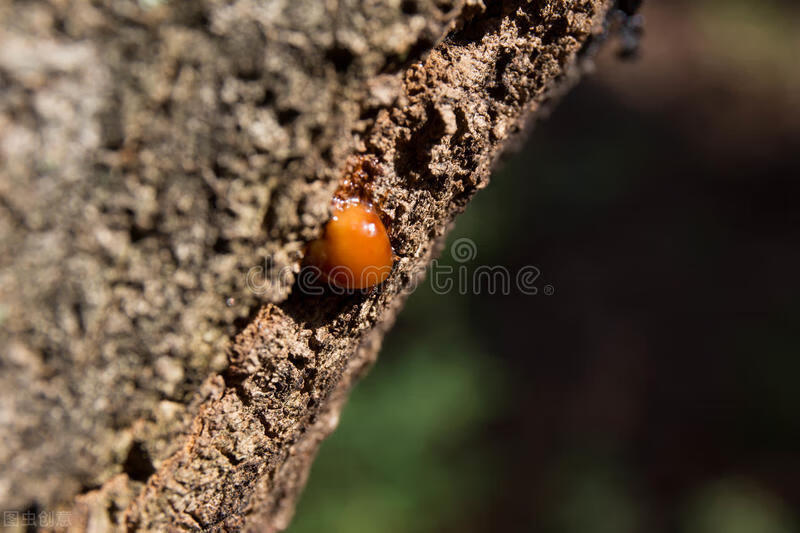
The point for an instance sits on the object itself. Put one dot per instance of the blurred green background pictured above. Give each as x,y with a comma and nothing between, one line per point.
657,388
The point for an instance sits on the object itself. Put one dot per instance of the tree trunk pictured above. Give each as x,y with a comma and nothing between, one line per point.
163,165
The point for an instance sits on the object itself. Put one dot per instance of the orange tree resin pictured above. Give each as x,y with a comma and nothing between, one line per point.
354,251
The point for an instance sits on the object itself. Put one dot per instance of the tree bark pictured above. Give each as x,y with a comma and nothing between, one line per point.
162,162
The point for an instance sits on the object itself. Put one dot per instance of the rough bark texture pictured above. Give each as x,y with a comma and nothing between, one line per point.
159,161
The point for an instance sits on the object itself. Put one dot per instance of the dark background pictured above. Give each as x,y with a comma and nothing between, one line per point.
657,388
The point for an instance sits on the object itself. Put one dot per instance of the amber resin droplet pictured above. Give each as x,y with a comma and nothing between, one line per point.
354,252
